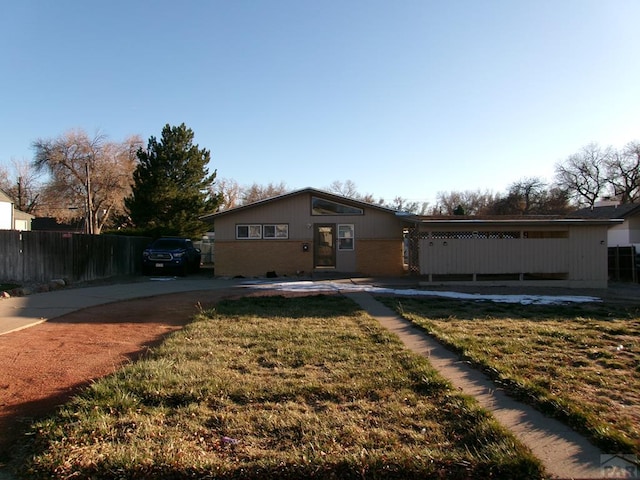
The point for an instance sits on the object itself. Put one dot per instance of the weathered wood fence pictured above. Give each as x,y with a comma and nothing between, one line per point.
43,256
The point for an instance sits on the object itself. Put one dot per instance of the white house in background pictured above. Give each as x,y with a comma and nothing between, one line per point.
10,217
624,234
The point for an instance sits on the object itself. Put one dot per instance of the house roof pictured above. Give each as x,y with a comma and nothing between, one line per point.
484,221
4,197
610,211
50,224
312,191
519,222
20,215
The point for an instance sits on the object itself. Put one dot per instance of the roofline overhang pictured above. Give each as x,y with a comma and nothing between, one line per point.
521,222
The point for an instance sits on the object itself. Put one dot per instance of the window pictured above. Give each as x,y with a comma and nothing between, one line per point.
249,231
475,235
546,234
280,230
320,206
257,231
345,237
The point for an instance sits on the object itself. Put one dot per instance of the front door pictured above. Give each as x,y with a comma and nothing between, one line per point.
324,250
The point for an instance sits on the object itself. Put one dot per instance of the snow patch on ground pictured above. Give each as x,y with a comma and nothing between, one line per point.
310,286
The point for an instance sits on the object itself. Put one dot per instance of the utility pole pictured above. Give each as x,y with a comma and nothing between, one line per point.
89,217
20,206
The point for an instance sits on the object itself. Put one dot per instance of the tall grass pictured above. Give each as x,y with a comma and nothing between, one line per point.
271,387
580,363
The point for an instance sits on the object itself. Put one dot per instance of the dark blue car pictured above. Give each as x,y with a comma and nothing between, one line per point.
171,254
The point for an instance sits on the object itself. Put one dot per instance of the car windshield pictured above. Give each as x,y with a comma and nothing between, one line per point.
169,243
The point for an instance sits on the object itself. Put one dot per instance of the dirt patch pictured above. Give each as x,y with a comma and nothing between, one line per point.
43,366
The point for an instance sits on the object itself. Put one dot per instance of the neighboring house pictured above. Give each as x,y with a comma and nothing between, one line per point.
10,217
624,234
310,231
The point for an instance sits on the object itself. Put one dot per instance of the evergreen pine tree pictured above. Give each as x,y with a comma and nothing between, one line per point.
172,186
459,210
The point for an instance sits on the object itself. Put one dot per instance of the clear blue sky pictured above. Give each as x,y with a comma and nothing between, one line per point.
405,98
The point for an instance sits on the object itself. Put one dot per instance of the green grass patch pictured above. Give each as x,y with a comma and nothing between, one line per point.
578,362
271,387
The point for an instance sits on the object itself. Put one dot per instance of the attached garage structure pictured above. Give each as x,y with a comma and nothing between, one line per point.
541,252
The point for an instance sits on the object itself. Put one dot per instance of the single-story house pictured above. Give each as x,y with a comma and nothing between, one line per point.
623,238
309,231
10,217
624,234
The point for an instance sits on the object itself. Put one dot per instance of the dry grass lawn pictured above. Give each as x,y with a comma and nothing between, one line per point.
579,362
274,387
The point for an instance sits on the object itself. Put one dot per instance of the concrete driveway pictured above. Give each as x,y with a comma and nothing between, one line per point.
17,313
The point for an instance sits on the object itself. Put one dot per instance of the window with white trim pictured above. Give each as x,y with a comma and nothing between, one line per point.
345,237
279,230
248,231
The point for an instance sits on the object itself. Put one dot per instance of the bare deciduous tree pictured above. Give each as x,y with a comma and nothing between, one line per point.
531,196
230,193
623,172
471,202
349,189
346,189
583,174
403,205
257,192
24,185
5,183
90,175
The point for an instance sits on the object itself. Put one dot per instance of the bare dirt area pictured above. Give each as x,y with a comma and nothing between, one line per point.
43,366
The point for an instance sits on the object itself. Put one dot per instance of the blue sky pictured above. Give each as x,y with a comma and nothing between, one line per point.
405,98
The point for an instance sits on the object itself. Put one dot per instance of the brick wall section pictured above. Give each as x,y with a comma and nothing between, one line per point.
379,257
256,258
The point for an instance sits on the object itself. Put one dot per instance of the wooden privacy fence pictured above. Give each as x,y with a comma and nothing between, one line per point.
43,256
623,265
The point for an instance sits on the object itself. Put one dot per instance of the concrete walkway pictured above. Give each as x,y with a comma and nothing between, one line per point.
564,453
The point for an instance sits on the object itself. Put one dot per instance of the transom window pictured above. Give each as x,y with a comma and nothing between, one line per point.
321,206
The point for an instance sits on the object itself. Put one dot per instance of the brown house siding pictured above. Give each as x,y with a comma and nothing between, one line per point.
380,257
256,258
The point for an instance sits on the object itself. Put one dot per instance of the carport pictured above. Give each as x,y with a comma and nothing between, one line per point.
542,252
